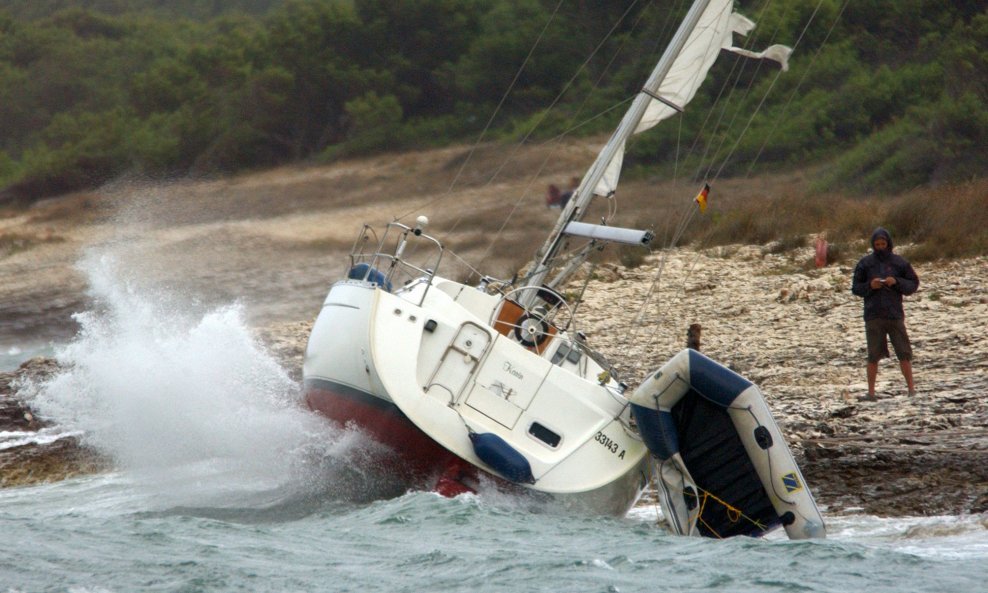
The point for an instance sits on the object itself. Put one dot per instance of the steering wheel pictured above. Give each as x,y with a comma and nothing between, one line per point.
533,324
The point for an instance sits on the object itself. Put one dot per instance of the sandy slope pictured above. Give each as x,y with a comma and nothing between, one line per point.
273,239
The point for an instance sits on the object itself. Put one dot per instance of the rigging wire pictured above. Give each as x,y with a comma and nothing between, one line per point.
566,87
688,217
549,142
490,120
563,91
734,75
684,221
466,264
761,103
806,73
610,33
754,114
508,159
733,80
717,100
679,141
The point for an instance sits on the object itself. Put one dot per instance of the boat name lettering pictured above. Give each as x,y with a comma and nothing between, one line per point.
511,370
610,445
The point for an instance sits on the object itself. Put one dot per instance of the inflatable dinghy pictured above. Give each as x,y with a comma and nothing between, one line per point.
724,468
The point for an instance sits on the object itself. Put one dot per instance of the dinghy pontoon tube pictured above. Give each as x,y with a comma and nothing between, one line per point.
724,468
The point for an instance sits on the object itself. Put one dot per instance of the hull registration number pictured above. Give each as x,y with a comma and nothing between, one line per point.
610,445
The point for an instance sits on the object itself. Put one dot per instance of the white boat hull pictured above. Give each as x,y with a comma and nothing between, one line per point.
421,372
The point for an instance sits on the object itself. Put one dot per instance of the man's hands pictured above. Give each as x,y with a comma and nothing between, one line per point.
877,283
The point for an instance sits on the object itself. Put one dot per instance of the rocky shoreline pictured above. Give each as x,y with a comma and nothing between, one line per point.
40,459
793,329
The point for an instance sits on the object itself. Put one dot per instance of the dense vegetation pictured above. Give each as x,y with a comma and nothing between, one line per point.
891,94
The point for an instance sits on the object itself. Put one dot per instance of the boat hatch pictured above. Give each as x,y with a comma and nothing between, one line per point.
566,352
458,362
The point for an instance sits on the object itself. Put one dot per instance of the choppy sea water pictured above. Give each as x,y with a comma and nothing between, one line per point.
109,533
226,484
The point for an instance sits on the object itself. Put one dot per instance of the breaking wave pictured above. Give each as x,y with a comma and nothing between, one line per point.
190,403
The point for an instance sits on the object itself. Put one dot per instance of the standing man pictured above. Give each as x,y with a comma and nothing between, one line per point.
882,278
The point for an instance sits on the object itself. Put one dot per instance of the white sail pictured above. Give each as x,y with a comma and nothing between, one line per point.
707,29
713,32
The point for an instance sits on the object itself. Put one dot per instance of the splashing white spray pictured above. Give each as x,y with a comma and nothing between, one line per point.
191,404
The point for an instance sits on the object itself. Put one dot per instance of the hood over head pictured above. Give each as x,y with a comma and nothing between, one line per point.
880,232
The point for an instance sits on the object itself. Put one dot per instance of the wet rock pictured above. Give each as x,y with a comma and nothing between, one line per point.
14,414
37,462
64,458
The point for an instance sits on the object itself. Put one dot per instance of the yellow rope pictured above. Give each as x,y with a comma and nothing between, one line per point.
699,516
734,514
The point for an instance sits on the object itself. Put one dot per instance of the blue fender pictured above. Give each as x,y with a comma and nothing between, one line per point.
495,452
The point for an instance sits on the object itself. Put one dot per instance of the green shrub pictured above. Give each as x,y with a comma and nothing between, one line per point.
79,151
373,120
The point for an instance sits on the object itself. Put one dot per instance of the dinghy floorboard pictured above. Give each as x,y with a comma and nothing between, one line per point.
717,460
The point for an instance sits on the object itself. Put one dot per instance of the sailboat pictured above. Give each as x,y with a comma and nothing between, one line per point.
490,382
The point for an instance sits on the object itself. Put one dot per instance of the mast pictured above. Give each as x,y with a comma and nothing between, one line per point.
576,208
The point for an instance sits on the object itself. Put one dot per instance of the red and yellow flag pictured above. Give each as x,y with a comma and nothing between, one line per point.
701,198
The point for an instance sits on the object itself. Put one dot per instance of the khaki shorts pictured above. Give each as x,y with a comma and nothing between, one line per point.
876,331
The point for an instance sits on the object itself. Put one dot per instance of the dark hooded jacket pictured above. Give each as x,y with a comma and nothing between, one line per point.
886,302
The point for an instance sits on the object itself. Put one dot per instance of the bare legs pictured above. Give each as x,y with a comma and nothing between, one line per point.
872,375
906,366
907,371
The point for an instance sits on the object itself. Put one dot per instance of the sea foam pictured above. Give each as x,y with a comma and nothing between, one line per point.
189,401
